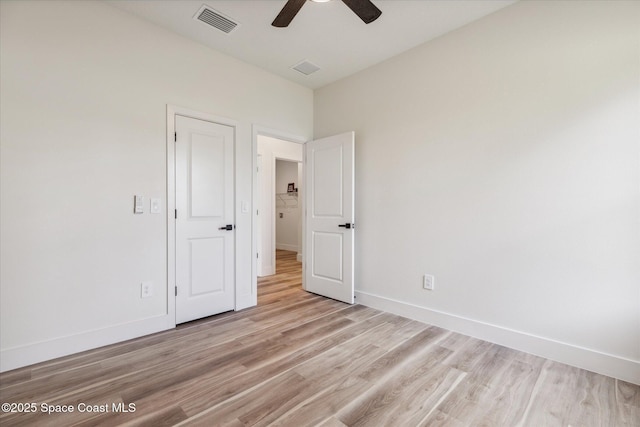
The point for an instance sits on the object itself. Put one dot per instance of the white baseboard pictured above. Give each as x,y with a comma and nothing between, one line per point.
267,271
299,257
18,357
591,360
287,247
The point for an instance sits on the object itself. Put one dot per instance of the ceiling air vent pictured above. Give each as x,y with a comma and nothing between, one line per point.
306,68
215,19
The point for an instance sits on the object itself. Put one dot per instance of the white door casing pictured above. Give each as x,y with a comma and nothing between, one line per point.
260,194
204,198
329,214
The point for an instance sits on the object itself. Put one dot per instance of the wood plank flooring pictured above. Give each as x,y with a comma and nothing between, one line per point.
298,359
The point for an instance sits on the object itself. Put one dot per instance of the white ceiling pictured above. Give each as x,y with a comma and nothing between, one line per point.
329,35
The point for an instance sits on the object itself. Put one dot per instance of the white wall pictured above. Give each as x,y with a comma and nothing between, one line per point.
504,159
85,88
287,206
271,149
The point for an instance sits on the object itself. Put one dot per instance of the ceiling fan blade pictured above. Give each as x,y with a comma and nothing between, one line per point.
366,10
288,12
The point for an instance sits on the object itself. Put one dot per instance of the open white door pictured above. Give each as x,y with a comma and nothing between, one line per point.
329,213
205,278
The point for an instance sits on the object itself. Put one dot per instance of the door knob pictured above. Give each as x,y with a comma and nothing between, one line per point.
227,227
347,225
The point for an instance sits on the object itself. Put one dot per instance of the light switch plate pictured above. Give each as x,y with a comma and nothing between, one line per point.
138,208
154,207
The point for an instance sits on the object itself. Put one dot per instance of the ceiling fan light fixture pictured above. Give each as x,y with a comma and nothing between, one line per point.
320,1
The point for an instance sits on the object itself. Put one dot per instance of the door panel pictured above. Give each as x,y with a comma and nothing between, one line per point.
328,180
329,251
206,182
327,248
205,261
206,277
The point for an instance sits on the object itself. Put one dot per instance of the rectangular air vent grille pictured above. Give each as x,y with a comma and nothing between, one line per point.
215,19
306,68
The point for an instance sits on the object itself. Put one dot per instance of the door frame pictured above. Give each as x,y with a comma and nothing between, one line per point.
172,112
285,136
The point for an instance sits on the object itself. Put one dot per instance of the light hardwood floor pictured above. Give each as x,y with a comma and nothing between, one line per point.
298,359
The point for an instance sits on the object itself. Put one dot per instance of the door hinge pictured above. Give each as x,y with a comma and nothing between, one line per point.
176,291
176,213
175,137
257,255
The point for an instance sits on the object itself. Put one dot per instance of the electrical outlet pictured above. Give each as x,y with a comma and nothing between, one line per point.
146,289
428,282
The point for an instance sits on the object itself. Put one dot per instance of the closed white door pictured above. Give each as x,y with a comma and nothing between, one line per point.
205,236
329,235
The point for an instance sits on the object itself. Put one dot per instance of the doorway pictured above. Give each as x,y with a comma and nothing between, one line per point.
288,211
328,256
280,196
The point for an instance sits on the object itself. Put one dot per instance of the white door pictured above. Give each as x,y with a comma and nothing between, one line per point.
205,236
329,255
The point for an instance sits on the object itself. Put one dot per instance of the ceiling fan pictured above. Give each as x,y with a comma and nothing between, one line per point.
366,10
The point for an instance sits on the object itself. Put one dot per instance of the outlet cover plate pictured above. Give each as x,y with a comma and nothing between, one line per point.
146,289
428,282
